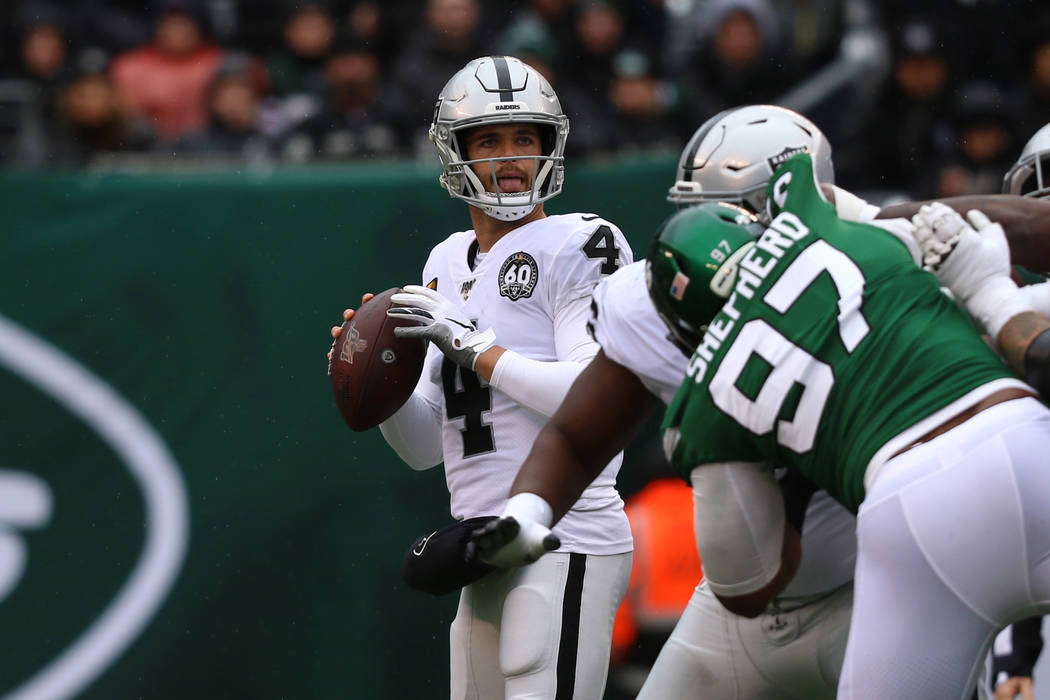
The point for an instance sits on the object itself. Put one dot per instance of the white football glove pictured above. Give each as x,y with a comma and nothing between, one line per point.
520,536
442,323
972,260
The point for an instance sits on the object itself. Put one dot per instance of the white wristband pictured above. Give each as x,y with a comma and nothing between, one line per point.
995,303
528,507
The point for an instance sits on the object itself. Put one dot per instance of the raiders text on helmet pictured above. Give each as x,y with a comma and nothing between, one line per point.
1030,175
499,90
692,266
734,153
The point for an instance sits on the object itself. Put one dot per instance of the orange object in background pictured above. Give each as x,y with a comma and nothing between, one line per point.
666,566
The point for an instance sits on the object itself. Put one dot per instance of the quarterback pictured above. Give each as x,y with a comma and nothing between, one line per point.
505,308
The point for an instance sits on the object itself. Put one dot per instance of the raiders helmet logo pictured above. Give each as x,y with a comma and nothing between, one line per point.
517,276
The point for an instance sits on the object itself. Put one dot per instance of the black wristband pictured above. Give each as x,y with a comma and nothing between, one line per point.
1037,363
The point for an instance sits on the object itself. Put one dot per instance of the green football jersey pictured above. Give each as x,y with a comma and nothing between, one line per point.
832,343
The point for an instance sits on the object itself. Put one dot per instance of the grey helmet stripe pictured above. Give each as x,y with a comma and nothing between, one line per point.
506,90
698,138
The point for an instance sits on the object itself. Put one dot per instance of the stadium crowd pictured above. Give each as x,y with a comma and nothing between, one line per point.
950,91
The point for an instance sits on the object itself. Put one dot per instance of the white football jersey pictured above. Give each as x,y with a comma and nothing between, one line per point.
520,288
631,334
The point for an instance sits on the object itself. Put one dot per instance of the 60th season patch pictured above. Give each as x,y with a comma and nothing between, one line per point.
517,276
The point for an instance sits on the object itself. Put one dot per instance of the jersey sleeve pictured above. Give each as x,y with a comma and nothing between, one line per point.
626,325
593,251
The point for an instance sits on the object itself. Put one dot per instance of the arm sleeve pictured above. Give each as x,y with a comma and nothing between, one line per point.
414,432
541,386
739,522
852,208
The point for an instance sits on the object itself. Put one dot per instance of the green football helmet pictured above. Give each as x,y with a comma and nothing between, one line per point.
692,266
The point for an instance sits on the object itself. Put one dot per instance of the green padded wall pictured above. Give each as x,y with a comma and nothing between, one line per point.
203,299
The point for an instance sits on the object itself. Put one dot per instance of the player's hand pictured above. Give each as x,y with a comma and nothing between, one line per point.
972,259
963,254
442,323
520,536
505,542
1014,687
347,315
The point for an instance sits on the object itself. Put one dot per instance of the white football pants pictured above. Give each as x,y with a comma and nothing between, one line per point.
713,654
539,632
954,543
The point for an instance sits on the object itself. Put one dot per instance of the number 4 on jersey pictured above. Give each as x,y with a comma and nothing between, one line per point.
468,401
602,245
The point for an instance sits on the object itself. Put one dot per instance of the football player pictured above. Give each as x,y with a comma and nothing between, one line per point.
505,307
730,157
827,350
795,648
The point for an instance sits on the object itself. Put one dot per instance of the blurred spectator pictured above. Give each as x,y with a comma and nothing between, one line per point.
585,75
984,145
532,44
94,121
739,60
166,80
377,25
43,67
646,107
353,122
448,39
811,31
236,128
539,31
912,128
1035,70
298,66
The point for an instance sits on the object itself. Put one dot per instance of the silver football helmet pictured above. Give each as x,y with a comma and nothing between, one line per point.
1030,175
733,154
499,90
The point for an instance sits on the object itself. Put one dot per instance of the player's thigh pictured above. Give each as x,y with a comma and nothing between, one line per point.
703,657
797,649
557,624
474,640
715,654
911,635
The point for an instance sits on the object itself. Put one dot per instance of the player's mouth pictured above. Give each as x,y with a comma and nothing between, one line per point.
509,183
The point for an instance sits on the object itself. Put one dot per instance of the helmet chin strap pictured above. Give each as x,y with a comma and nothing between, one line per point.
505,213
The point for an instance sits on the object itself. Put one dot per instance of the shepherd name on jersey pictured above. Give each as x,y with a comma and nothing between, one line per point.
626,325
519,288
826,316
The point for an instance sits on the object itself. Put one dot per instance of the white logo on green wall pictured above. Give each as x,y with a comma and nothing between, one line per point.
30,507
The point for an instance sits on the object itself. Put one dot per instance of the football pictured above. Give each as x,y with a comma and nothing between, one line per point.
373,372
